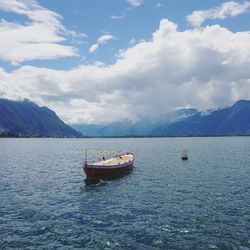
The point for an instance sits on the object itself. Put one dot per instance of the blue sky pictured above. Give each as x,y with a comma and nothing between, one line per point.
97,61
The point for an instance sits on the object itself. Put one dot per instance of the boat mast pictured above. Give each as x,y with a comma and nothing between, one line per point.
86,153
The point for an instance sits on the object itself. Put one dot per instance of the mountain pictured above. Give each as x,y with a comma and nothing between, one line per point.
121,128
25,118
234,120
141,127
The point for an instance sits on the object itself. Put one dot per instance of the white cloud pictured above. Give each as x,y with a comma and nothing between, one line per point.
101,40
23,42
118,17
93,48
135,3
105,38
227,9
202,67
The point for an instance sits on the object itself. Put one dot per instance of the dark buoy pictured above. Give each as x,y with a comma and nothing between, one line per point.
184,155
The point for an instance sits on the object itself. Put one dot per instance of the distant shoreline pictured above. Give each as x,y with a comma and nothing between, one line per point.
106,137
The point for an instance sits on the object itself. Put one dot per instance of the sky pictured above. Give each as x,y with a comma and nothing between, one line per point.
101,61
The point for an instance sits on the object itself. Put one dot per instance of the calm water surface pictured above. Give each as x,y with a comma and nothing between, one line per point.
165,203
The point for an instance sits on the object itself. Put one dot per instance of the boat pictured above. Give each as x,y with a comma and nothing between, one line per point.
108,168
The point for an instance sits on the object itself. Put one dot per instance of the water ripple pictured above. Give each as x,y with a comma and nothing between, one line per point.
164,203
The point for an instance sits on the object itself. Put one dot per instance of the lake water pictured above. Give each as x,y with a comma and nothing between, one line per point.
165,203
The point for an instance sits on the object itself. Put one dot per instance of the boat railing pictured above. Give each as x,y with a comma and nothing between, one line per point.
91,155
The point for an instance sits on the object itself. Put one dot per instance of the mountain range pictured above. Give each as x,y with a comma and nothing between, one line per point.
142,127
233,120
25,118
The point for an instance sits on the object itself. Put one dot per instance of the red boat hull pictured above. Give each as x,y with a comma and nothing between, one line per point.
102,173
110,168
